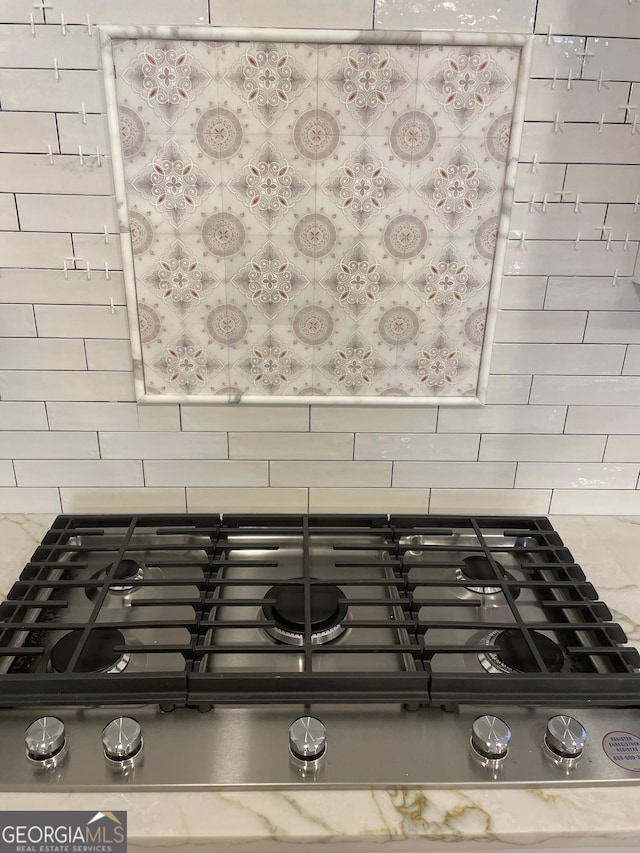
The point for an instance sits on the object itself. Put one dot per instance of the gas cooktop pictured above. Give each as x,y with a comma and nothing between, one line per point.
397,650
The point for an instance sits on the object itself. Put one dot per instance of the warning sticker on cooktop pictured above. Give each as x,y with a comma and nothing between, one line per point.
623,748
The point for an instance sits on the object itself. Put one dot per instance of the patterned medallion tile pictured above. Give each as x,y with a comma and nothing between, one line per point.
313,219
460,84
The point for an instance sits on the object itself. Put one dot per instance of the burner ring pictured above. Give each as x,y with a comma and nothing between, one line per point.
548,649
476,569
129,571
98,654
329,612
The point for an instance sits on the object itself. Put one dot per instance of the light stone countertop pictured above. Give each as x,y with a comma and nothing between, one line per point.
405,820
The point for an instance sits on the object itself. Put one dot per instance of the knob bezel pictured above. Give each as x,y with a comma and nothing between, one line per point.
489,759
561,758
308,762
52,759
133,757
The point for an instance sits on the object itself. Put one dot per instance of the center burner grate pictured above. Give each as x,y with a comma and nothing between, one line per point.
201,609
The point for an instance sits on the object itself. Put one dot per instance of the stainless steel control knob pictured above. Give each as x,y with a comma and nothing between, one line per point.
46,741
490,737
307,738
565,736
122,739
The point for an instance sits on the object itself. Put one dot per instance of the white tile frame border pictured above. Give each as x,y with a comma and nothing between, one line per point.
207,33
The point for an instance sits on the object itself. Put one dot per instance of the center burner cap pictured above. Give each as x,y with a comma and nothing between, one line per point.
327,613
98,654
478,569
514,655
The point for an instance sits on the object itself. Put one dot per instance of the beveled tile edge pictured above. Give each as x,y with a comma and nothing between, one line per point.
207,33
508,197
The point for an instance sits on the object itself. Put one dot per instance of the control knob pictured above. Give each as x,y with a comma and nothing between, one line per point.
307,739
490,737
46,741
565,737
122,741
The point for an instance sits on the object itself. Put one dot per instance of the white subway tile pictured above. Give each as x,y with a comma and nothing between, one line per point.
632,362
50,445
615,18
559,257
75,472
613,327
546,178
502,419
76,385
188,472
601,182
17,12
589,294
616,57
580,143
42,354
108,355
558,221
558,55
540,326
147,12
456,448
8,213
6,473
33,173
244,418
111,500
522,291
73,131
28,133
542,448
23,416
50,286
90,321
576,475
622,448
154,418
624,219
87,416
17,321
247,500
560,359
603,419
454,475
363,474
163,445
369,500
508,389
582,102
29,500
483,15
490,501
595,502
37,89
585,390
378,419
68,213
19,48
33,249
355,15
95,252
290,445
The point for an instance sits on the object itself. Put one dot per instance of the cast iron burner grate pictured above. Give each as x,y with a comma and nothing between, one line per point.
193,604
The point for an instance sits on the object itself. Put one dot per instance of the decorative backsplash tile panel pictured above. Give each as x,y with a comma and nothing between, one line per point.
313,220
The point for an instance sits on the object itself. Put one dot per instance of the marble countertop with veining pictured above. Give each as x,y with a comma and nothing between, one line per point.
405,820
